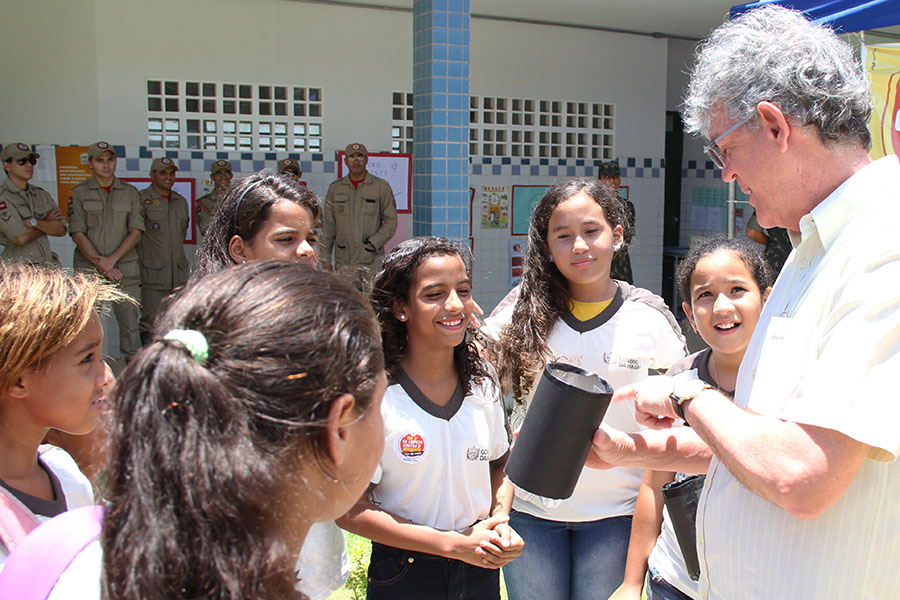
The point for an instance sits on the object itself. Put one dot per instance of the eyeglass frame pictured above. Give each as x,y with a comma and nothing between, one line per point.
29,159
712,149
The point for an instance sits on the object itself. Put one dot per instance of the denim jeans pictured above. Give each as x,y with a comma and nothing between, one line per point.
660,589
567,561
396,574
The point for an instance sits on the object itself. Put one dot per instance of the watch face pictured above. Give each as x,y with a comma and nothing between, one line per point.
689,389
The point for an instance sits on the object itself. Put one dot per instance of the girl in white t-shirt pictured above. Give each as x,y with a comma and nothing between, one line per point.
435,511
52,375
724,284
569,309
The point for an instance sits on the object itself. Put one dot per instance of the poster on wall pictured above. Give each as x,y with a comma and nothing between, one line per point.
185,187
524,199
71,169
494,207
396,169
883,66
708,208
516,261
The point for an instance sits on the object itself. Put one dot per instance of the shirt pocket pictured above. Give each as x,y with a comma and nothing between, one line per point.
93,212
153,270
121,210
370,205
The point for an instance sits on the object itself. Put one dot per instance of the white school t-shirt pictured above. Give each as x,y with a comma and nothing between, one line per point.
435,468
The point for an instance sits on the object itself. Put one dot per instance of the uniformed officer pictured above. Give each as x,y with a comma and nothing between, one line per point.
620,268
289,165
164,266
105,223
28,214
360,216
206,206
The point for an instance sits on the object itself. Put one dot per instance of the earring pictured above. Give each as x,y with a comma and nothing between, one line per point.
617,247
402,317
550,257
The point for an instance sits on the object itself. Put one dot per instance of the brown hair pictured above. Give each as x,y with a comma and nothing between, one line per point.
42,311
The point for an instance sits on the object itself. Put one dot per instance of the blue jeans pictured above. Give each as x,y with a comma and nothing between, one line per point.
567,561
660,589
396,574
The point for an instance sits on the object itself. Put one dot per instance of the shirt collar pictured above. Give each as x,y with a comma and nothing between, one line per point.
10,186
830,217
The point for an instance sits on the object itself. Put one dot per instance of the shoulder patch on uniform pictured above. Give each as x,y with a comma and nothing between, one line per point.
147,201
2,205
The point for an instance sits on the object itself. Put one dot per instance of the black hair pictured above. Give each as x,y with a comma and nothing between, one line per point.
243,211
750,253
393,283
202,452
544,293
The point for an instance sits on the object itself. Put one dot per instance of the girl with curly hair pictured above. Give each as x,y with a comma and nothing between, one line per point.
569,309
436,510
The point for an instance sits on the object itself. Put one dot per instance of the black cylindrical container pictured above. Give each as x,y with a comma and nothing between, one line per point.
555,438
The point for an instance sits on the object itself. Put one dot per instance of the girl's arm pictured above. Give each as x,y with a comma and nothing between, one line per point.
381,526
645,528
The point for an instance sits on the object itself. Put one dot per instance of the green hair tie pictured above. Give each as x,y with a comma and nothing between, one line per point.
194,341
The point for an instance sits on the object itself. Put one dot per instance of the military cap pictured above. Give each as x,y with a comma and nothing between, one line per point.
356,148
17,151
98,148
161,164
220,165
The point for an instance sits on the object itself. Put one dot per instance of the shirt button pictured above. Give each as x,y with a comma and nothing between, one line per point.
699,538
706,482
704,593
753,373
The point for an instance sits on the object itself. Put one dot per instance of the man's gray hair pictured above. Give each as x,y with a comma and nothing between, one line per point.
776,54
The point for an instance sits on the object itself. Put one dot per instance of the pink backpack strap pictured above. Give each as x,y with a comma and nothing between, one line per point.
16,521
31,572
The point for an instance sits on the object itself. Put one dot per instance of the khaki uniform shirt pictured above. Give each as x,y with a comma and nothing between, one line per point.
354,215
204,210
163,263
16,208
106,220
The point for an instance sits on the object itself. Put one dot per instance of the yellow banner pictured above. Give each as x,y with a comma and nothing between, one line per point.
883,66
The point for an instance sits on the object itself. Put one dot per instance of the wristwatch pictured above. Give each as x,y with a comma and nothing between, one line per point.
32,222
684,391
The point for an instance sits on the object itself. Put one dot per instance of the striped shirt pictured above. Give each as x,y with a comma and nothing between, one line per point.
826,352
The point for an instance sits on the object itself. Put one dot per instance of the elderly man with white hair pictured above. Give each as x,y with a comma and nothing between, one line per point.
802,495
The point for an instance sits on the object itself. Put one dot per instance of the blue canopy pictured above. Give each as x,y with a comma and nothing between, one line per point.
843,15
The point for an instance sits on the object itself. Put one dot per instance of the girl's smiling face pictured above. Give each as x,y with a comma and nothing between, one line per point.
581,243
440,303
725,302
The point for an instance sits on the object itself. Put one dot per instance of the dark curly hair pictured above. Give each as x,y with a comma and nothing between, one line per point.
243,211
750,253
201,454
393,283
544,294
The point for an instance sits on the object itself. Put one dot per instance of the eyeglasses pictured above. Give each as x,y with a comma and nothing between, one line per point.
30,159
712,149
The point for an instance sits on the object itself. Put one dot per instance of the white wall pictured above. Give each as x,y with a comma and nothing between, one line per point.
49,71
534,61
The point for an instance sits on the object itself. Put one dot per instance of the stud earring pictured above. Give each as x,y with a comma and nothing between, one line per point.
402,317
550,257
617,247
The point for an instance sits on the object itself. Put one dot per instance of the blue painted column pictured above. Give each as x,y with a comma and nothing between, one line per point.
440,197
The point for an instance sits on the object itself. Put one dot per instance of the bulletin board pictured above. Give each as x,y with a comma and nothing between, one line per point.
71,169
185,187
396,169
524,199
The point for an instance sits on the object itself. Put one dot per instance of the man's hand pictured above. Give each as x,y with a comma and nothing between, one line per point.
106,264
113,275
652,405
608,447
53,215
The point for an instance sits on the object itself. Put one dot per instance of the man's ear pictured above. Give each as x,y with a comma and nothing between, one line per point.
775,123
19,389
236,249
337,432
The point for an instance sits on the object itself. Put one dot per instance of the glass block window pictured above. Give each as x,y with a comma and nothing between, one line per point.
523,127
402,123
204,115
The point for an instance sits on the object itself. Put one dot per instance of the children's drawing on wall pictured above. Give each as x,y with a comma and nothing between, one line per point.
494,207
516,260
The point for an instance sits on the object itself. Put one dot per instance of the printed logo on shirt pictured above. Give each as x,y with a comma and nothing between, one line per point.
621,361
477,454
411,447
